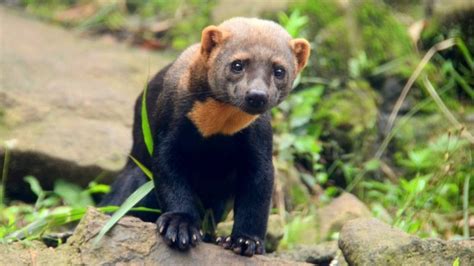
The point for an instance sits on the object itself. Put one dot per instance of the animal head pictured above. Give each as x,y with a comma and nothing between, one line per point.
252,63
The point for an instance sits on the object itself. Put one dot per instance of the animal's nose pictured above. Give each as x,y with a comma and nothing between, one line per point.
256,98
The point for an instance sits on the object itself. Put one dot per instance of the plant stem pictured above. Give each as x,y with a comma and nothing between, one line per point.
6,160
431,90
433,50
465,205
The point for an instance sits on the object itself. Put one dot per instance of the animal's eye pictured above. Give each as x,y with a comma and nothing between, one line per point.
279,72
237,66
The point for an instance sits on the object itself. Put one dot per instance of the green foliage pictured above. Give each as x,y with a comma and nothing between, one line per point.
149,8
334,49
456,262
428,157
432,190
298,137
320,13
293,23
352,110
417,182
456,64
384,38
64,192
66,203
73,195
57,217
46,8
109,17
146,130
188,31
297,230
128,204
145,170
122,16
355,43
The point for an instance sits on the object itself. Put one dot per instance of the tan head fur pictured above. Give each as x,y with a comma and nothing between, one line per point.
249,65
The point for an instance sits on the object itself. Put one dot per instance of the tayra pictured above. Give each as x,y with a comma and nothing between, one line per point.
209,113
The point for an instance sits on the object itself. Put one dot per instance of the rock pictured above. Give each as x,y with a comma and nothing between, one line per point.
371,242
30,253
275,232
321,254
326,221
344,208
131,241
67,100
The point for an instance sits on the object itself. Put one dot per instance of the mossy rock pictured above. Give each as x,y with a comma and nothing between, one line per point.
384,37
332,51
352,110
320,13
345,32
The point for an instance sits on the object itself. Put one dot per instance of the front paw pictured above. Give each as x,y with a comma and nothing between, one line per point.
179,230
242,245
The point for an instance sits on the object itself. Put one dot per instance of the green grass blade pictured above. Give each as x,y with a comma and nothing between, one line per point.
131,201
465,204
108,209
462,46
39,226
142,167
57,219
146,124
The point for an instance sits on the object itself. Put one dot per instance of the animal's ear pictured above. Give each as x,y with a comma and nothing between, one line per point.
211,37
301,49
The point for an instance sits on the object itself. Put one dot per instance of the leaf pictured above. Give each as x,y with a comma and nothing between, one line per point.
293,23
60,217
303,104
56,218
146,124
456,262
145,170
72,194
95,188
372,165
131,201
307,144
34,185
465,51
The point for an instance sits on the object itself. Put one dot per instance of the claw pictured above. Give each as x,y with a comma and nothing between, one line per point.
237,250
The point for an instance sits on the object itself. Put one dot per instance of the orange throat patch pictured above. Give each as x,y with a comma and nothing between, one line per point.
212,117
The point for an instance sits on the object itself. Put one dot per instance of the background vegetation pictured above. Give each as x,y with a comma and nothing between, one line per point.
352,124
